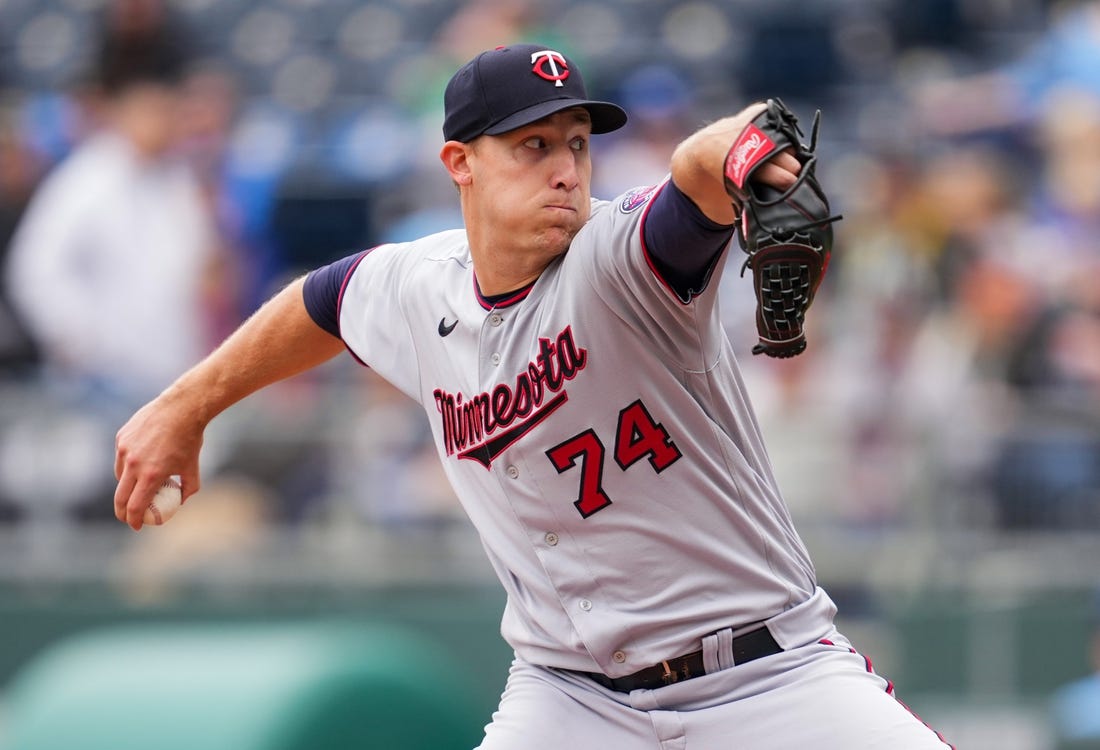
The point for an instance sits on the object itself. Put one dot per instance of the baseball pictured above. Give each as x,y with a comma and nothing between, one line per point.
165,503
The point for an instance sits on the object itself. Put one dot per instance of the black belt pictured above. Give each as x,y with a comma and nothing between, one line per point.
755,644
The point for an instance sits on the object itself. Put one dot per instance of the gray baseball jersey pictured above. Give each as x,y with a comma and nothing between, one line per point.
597,432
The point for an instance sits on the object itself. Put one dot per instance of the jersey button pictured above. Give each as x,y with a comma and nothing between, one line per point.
619,657
551,539
586,605
512,471
495,359
496,319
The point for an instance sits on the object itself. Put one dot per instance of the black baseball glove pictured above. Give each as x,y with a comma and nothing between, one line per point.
787,235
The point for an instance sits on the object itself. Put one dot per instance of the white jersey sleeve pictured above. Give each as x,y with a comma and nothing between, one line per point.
384,284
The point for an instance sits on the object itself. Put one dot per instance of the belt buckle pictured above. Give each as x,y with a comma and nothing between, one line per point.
669,676
675,675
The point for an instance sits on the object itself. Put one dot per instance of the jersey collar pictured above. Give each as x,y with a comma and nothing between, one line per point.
497,301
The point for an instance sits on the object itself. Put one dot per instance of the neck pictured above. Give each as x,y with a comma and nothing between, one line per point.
502,265
502,274
507,264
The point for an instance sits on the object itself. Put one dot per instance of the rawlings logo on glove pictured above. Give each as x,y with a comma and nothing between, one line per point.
750,148
787,235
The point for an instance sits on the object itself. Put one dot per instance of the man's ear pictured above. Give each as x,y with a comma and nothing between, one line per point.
456,159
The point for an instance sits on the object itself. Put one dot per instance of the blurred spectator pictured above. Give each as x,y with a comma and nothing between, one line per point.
110,261
660,101
1047,472
19,172
1048,467
483,24
140,43
110,269
238,199
1065,55
1075,707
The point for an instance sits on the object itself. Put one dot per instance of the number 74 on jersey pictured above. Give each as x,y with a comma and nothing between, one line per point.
637,436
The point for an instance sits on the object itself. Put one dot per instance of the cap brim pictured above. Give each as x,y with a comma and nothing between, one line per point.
606,116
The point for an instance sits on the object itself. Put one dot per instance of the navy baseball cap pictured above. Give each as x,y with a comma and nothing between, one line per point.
509,87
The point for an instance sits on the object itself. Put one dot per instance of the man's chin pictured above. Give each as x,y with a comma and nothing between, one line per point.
558,241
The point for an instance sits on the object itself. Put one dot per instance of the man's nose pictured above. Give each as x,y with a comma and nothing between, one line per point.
566,174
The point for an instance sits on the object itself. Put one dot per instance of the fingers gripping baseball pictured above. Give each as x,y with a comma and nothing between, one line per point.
158,442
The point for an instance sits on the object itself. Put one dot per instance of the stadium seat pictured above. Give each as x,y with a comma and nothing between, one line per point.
241,687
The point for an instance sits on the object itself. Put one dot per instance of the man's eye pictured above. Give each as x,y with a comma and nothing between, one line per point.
579,144
534,142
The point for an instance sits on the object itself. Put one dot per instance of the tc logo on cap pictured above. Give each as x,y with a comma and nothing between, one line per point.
549,58
496,92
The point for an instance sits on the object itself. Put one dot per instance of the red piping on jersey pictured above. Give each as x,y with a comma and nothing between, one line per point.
645,250
519,296
889,689
340,302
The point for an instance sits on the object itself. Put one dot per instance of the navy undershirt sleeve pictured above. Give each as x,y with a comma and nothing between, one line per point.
321,292
682,242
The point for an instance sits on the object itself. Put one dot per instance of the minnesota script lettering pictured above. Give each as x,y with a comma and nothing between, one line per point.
482,426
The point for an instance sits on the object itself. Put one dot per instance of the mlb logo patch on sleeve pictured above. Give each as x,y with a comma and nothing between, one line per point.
636,198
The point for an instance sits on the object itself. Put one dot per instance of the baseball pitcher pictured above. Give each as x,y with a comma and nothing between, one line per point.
588,410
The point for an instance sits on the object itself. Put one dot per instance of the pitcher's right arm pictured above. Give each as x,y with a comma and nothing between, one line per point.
165,436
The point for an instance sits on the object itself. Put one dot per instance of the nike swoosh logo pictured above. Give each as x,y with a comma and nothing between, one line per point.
444,329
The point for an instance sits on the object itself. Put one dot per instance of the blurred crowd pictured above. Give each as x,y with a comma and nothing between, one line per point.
165,166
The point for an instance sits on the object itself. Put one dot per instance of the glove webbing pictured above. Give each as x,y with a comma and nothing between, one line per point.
785,287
